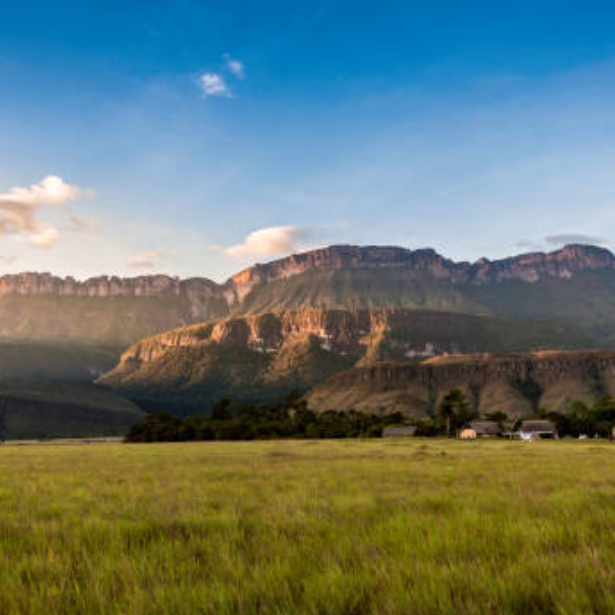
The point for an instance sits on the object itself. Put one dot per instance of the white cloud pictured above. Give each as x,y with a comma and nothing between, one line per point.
52,190
47,238
235,66
273,241
20,209
212,84
145,260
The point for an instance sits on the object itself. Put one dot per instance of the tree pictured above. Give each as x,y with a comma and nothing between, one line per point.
499,417
454,410
221,410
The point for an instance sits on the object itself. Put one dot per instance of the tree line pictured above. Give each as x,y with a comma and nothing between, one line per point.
291,418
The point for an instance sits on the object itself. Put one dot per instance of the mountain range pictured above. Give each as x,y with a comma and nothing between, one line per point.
118,311
295,322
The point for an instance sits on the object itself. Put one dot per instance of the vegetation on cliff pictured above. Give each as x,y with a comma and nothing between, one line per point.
262,357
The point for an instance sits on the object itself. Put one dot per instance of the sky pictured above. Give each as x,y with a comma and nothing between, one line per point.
197,138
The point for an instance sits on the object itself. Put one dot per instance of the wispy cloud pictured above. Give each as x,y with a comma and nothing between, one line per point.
76,224
47,238
267,242
235,66
565,238
212,84
558,240
20,209
145,260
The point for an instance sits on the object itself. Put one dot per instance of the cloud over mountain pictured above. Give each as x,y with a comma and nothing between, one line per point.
564,238
266,242
21,209
145,260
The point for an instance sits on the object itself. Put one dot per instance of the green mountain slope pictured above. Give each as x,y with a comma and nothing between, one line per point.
585,301
264,356
55,361
56,410
102,321
517,384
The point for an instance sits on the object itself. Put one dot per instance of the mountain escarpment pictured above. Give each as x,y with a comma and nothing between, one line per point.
576,282
517,384
264,356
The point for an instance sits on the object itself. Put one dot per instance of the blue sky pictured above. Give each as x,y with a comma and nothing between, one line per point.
180,129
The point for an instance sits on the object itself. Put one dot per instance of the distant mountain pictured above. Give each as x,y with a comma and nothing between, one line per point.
574,284
107,311
519,384
60,410
572,288
264,356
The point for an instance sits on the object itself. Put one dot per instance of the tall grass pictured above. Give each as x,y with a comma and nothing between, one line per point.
308,527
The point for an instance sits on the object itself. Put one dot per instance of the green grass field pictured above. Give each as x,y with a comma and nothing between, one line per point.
308,527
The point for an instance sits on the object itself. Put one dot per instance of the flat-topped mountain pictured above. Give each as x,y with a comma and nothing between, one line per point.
518,384
264,356
574,286
531,267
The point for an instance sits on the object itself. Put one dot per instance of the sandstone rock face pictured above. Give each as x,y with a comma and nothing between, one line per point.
528,268
275,352
108,286
116,311
518,384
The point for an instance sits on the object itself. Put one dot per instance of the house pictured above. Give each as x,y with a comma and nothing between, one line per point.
467,434
399,431
537,430
486,429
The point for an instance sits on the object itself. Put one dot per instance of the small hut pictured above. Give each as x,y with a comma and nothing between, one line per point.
486,429
537,430
399,431
467,434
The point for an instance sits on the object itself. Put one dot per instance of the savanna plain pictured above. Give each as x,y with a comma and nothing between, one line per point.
308,527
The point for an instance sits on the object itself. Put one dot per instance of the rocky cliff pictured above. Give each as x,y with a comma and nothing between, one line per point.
528,268
266,355
518,384
575,285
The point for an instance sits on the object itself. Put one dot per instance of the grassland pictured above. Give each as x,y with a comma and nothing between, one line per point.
308,527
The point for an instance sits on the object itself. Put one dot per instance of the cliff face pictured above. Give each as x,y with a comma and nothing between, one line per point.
517,384
268,354
525,268
116,311
109,286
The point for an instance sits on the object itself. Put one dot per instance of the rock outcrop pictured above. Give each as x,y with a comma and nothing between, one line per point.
529,268
271,353
574,285
518,384
31,283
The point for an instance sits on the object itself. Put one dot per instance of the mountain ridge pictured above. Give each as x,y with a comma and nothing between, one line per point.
528,267
266,355
518,384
